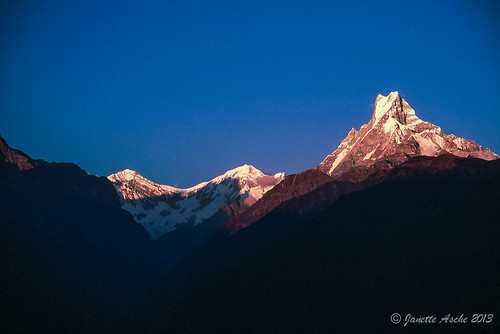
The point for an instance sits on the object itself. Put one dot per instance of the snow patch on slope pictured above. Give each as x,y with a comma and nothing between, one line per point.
427,146
339,159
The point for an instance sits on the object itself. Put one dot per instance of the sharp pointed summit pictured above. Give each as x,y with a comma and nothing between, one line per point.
394,135
393,106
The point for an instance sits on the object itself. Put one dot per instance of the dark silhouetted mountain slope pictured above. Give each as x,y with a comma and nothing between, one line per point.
224,252
71,259
425,242
292,186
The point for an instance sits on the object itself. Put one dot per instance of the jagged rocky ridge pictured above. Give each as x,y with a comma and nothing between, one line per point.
394,135
162,209
14,159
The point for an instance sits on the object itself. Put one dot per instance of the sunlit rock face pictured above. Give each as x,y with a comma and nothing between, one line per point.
394,135
14,158
162,209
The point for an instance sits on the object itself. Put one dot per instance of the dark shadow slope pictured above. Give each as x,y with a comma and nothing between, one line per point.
72,261
424,242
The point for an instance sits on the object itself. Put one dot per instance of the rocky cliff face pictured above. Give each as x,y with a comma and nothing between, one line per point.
13,158
162,209
394,135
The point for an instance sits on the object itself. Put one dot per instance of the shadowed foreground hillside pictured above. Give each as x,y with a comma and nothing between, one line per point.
72,261
427,246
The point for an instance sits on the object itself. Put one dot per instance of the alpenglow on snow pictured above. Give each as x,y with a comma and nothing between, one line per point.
394,135
162,209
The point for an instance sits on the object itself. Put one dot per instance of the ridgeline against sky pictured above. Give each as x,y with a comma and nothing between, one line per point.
182,92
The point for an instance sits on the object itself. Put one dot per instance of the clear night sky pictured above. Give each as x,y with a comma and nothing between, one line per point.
183,91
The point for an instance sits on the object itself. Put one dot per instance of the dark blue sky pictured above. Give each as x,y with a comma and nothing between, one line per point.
183,91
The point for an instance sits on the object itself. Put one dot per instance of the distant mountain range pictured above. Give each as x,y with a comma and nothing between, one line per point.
400,218
162,209
394,135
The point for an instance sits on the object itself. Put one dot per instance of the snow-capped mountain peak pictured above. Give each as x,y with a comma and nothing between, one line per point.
162,208
393,109
132,186
393,135
252,180
242,173
129,174
383,104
